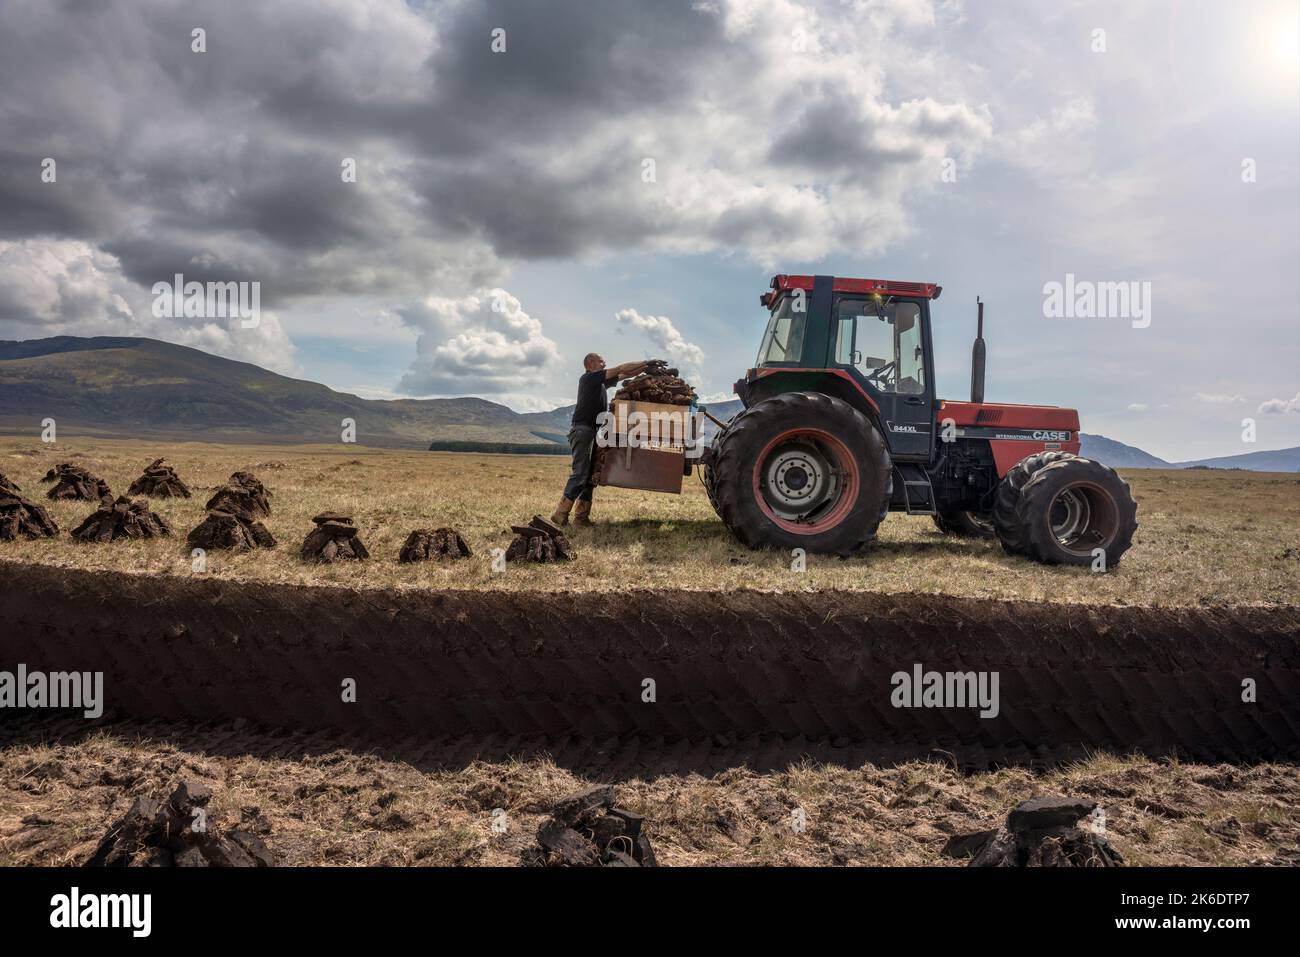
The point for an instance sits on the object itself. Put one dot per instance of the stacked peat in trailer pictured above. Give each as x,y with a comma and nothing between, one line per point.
648,431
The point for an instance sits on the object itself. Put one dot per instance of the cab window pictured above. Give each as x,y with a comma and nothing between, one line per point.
783,340
883,342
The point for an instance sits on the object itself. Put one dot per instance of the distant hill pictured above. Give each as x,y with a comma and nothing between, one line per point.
1278,460
1121,456
118,385
1118,455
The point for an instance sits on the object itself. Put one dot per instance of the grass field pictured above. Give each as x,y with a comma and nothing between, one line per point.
1205,537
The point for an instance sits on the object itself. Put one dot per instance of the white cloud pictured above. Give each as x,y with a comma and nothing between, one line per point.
661,331
63,287
1279,406
479,344
1219,399
71,287
1057,146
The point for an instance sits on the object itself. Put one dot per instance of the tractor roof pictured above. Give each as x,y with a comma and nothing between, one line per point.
887,287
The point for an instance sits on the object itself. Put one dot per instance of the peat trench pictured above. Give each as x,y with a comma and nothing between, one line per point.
849,675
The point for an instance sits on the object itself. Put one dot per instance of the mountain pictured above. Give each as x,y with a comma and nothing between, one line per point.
1277,460
1118,455
1121,456
115,385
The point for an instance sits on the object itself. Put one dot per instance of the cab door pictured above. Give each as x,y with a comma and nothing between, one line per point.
884,346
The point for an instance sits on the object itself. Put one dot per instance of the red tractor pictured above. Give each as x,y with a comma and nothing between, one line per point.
841,425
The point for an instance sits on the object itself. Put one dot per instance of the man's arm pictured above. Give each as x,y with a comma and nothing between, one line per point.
628,369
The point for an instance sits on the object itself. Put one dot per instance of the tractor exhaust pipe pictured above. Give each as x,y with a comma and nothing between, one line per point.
977,359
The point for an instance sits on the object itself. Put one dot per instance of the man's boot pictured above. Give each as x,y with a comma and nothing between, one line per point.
582,514
561,516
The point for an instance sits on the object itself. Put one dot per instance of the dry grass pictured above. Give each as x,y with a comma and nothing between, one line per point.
345,808
1205,537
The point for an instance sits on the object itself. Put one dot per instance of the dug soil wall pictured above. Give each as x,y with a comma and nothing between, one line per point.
669,666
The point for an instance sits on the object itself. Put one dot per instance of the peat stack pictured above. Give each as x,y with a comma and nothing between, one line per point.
665,387
539,541
122,518
21,517
427,543
177,832
159,481
74,483
333,537
586,829
242,493
222,528
1040,832
8,486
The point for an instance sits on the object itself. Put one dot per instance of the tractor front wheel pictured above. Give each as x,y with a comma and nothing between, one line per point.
801,470
1068,511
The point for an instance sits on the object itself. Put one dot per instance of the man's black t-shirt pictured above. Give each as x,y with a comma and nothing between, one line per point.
591,398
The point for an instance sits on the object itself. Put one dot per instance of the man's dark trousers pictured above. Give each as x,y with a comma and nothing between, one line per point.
582,440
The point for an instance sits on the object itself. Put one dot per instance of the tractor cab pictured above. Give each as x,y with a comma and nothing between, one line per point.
866,340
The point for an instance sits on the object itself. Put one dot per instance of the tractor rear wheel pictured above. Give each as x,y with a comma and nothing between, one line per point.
1072,511
966,524
801,470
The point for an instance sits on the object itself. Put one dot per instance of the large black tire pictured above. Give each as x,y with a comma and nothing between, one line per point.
1071,507
1006,524
706,471
797,444
966,524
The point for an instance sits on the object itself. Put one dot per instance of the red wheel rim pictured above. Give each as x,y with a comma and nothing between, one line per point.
838,457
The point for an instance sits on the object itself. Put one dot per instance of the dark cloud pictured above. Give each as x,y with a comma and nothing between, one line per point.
225,165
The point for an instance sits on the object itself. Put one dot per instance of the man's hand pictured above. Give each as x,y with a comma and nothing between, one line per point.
629,369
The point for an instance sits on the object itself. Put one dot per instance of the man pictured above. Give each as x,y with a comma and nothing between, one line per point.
582,434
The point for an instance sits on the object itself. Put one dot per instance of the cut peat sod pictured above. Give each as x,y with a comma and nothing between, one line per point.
20,518
425,544
159,480
122,518
333,538
74,482
750,671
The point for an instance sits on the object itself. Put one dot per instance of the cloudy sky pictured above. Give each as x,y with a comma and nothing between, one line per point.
540,178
